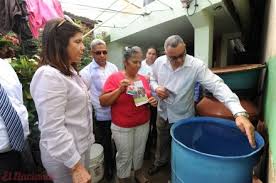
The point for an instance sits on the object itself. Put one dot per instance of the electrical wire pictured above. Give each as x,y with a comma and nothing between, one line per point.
133,4
160,10
104,9
144,15
85,7
133,21
114,26
107,19
107,10
195,7
121,11
116,12
210,2
165,4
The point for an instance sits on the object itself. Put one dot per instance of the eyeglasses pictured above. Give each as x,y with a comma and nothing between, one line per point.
100,52
174,58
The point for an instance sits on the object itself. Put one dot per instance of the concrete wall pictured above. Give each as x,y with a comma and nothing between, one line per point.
115,53
270,116
202,21
270,28
269,56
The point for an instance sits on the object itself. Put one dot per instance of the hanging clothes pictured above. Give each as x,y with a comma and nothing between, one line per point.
8,10
14,18
21,26
41,11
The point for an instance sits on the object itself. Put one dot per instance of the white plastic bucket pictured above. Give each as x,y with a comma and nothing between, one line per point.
96,166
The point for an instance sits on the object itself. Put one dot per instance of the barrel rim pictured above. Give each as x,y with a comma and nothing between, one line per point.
222,121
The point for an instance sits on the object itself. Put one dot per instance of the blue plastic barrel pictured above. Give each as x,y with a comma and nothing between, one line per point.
212,150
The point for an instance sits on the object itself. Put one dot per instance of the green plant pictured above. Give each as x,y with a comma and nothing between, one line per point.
25,69
86,59
4,42
29,47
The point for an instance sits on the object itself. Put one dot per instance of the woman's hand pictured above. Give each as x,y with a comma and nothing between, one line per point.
123,85
80,174
247,128
153,102
108,98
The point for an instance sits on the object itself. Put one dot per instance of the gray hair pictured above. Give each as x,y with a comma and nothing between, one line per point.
130,51
96,42
173,41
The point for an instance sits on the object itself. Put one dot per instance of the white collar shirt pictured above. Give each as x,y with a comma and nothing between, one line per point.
145,69
13,88
65,114
181,83
95,77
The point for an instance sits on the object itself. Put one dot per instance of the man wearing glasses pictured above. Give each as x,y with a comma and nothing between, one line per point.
174,78
95,75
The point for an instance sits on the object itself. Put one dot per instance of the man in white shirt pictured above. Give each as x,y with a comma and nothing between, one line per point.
146,70
174,78
95,75
10,159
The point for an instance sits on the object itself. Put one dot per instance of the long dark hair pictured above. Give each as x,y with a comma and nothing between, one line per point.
55,39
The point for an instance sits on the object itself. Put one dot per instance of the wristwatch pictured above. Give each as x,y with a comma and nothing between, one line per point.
244,114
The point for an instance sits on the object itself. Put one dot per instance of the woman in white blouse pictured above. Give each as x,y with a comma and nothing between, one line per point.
63,104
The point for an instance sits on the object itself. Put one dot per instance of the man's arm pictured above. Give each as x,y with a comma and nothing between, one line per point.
222,92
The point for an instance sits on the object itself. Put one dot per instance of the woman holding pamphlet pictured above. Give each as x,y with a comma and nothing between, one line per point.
128,94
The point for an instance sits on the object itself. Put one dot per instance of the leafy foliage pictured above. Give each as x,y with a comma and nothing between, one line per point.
29,47
86,59
25,69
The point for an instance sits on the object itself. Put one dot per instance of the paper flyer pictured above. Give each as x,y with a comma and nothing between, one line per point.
138,92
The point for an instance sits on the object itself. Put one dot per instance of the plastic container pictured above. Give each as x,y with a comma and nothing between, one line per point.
212,150
96,166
